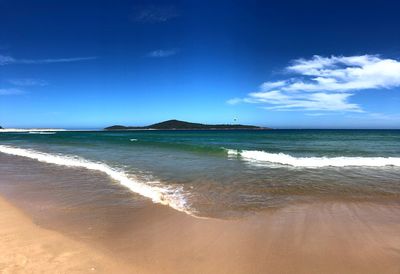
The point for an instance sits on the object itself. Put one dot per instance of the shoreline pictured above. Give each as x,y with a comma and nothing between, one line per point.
70,223
331,237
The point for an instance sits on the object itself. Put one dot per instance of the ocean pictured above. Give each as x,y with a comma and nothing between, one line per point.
212,174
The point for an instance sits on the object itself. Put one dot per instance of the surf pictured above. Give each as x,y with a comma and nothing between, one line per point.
41,132
162,195
257,156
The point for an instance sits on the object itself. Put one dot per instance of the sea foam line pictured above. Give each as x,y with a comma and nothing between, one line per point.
160,195
314,162
31,129
41,132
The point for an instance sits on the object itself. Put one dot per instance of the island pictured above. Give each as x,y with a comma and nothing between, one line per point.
182,125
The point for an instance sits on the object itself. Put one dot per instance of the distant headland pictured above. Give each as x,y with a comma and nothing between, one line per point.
182,125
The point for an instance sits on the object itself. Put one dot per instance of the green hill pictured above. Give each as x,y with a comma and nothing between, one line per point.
181,125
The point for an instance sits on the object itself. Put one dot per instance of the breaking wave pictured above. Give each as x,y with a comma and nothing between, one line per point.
172,197
41,132
313,162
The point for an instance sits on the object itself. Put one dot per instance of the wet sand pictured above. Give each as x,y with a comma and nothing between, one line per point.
331,237
75,221
28,248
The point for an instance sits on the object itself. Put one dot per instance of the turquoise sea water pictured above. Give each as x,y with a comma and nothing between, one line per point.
225,173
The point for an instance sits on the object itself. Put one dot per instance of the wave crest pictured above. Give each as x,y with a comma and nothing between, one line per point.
314,162
41,132
165,196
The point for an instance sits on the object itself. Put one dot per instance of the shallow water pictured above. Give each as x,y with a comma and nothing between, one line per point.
217,173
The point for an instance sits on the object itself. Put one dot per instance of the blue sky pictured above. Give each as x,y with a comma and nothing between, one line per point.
284,64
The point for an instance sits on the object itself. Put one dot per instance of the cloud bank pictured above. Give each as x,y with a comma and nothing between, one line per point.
9,60
326,83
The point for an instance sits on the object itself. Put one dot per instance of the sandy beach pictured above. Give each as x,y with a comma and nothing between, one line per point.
71,220
333,237
199,137
28,248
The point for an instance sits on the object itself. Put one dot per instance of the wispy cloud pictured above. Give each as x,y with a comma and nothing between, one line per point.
382,116
316,101
235,101
162,53
11,91
155,13
27,82
5,60
326,83
8,60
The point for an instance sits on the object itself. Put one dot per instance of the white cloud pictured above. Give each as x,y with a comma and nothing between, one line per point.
271,85
345,73
27,82
8,60
10,91
327,83
312,101
162,53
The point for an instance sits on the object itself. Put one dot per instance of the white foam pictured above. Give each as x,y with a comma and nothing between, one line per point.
41,132
133,140
165,196
31,129
314,162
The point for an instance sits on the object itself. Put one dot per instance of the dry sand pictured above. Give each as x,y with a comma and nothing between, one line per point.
331,237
